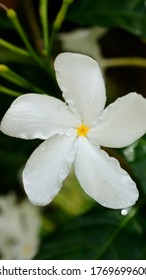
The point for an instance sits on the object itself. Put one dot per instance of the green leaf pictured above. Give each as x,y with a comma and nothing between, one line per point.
129,15
85,236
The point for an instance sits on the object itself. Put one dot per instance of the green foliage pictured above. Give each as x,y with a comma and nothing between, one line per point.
85,236
129,15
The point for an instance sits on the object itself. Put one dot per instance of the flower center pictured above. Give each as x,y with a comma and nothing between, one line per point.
82,130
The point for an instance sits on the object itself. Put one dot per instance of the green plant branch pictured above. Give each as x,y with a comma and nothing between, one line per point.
43,10
123,62
34,27
13,17
13,77
59,20
13,48
8,91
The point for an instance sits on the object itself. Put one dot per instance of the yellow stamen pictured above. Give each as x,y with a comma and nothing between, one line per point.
82,130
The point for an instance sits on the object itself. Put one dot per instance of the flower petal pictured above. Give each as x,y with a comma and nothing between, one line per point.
84,41
81,82
121,123
102,177
47,167
37,116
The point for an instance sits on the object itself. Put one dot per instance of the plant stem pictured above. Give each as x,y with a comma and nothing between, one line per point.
44,20
13,77
8,91
33,24
13,48
59,20
13,17
124,62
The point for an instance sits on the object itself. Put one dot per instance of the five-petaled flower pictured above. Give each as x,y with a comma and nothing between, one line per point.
73,133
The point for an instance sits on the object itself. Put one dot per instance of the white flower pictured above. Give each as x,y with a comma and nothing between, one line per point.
19,229
84,41
74,132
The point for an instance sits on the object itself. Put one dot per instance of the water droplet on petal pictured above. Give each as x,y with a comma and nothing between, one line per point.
61,108
70,157
43,147
58,131
73,109
124,212
23,136
69,132
71,102
104,203
94,123
129,152
62,175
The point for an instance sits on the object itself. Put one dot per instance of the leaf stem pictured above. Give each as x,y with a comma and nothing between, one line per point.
33,24
13,48
13,77
123,62
13,17
43,10
8,91
59,20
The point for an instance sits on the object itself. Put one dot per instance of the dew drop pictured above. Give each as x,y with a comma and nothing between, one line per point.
70,157
61,108
129,152
69,132
23,136
59,131
43,147
62,175
71,102
94,123
73,109
104,203
124,212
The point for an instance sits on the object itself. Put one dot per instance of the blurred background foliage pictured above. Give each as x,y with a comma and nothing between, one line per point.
73,226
